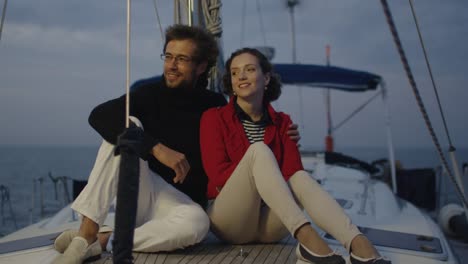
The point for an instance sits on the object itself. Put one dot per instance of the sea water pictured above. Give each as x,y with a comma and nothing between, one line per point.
24,173
32,195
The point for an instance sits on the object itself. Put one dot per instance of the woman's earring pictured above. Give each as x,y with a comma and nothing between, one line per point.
234,93
266,88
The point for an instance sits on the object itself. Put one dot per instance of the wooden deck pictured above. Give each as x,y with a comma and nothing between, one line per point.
212,251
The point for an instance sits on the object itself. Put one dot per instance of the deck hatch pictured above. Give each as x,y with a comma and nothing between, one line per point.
400,240
27,243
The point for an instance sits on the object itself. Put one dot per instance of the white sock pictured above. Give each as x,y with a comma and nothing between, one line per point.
363,259
109,243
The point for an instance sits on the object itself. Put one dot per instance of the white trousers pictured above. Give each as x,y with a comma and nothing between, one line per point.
166,220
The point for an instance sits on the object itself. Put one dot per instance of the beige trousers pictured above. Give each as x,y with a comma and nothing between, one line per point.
238,215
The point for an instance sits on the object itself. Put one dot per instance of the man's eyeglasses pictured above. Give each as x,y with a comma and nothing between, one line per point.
181,59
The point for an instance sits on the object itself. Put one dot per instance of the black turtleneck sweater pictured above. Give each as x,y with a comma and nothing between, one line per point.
170,116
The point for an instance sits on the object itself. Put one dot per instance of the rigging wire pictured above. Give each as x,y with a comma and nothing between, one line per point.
127,84
430,73
3,17
260,18
415,90
357,110
451,147
159,20
262,27
244,11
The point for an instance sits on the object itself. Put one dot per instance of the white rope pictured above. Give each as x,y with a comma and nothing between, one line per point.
212,16
211,12
127,96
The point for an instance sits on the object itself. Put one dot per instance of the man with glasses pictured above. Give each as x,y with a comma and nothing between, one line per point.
169,112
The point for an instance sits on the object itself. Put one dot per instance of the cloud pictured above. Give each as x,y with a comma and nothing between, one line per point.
61,58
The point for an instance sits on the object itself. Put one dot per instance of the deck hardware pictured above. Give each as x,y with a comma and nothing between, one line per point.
428,248
242,253
425,238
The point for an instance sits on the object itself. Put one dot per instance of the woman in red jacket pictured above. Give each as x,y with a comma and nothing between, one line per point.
256,176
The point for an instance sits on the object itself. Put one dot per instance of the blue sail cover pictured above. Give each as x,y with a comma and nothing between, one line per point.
327,77
150,80
313,76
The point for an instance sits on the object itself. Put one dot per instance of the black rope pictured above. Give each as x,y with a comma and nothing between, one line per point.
419,101
129,145
431,75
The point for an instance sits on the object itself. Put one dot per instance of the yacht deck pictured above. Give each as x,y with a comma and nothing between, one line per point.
212,251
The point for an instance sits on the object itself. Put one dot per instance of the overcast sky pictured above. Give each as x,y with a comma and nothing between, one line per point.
59,59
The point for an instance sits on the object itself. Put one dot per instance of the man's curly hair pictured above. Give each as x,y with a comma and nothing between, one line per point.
206,45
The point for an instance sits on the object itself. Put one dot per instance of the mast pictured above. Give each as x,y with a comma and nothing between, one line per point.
187,12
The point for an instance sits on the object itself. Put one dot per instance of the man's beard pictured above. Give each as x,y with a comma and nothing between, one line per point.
184,84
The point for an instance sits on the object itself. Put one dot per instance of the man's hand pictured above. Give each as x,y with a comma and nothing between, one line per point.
293,134
173,159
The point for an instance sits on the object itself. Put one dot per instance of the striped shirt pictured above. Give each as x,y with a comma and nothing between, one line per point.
255,131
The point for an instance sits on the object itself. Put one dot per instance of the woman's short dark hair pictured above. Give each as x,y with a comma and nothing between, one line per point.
206,45
273,90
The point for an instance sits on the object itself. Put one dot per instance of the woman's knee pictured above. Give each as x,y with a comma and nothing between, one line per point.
260,150
259,147
230,231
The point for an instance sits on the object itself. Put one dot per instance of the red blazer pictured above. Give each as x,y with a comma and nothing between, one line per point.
223,143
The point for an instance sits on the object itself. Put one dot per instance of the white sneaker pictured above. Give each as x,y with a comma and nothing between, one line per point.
63,240
79,251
